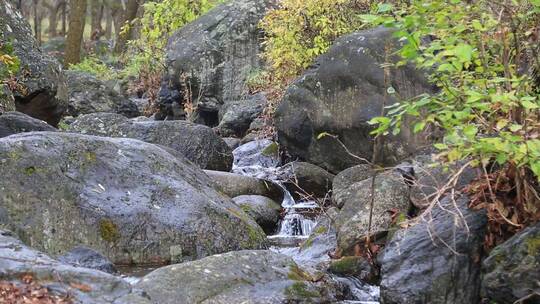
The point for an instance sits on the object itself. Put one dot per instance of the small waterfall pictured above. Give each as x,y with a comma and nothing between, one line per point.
249,160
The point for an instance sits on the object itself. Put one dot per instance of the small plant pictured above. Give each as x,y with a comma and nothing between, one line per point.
481,55
9,63
96,67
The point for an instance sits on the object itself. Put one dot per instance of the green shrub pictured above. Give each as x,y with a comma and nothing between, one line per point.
9,63
299,31
96,67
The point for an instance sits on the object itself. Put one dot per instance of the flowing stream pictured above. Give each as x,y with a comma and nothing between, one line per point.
299,217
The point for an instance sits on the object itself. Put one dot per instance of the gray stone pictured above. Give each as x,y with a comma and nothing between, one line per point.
263,152
249,277
87,95
17,260
234,185
341,185
307,180
340,94
197,143
237,116
7,101
232,142
43,92
213,56
89,258
512,270
130,200
15,122
263,210
391,201
437,260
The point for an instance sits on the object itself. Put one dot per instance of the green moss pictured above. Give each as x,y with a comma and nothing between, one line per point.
297,274
271,150
533,245
345,265
108,230
245,208
301,290
14,155
90,157
30,170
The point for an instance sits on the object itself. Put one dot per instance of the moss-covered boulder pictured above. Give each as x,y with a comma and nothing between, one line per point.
512,270
263,210
130,200
43,92
248,277
234,185
197,143
390,203
16,122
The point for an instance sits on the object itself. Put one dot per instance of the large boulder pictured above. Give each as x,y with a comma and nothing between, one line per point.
263,210
237,116
340,94
390,204
130,200
258,153
82,285
512,270
197,143
87,94
437,260
43,91
15,122
209,60
341,185
249,277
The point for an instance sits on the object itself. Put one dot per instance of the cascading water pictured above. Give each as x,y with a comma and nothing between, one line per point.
299,218
250,160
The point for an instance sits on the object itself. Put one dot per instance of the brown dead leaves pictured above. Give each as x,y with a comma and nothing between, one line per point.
29,292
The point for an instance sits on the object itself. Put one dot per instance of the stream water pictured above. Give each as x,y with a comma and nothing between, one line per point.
300,217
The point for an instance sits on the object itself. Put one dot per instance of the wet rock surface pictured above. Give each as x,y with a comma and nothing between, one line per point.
257,277
307,180
237,116
84,285
214,54
234,185
87,94
344,89
420,265
130,200
390,202
88,258
263,210
512,270
16,122
197,143
43,94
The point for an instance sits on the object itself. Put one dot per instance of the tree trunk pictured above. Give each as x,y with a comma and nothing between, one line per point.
37,23
108,23
53,20
129,14
97,15
75,33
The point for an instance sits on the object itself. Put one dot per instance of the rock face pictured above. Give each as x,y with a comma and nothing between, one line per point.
512,270
263,152
197,143
344,90
7,101
417,267
237,116
87,94
15,122
234,185
250,277
130,200
213,56
341,185
263,210
391,202
43,94
305,179
17,260
88,258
